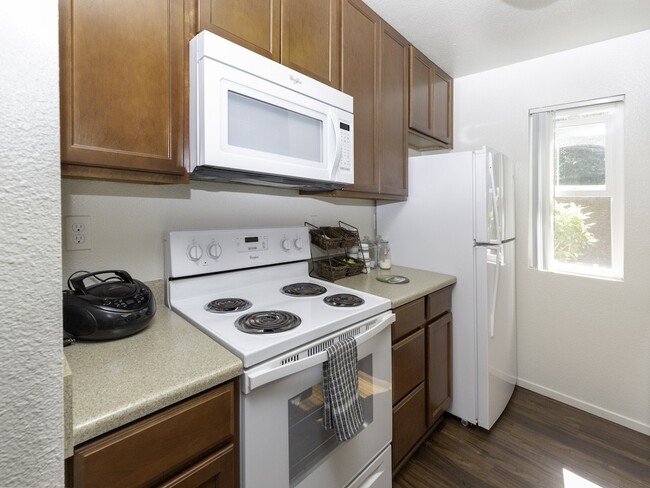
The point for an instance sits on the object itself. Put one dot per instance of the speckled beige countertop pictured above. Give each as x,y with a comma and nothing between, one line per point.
421,283
116,382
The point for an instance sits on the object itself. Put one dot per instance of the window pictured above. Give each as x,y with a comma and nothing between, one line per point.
577,188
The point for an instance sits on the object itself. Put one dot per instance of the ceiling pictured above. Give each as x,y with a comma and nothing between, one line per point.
468,36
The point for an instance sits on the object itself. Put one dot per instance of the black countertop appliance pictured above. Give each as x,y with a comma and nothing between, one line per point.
115,306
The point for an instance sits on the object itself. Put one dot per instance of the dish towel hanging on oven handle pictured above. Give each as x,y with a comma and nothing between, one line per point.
341,404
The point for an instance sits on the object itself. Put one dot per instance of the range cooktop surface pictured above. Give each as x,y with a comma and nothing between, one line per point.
218,279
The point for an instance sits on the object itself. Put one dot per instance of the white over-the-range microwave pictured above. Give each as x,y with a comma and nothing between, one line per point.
253,120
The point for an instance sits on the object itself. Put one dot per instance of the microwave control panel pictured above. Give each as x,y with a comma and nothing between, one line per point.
346,146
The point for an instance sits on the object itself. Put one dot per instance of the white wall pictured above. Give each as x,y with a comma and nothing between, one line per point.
582,341
31,386
128,220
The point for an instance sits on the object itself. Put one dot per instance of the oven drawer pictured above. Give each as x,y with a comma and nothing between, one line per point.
152,450
408,364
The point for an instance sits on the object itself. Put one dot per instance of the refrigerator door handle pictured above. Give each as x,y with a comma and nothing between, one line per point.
495,204
495,290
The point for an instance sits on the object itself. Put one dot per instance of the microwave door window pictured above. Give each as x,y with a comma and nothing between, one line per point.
264,127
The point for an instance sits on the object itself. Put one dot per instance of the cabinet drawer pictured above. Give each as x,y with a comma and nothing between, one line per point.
160,446
408,364
408,318
215,471
409,423
438,303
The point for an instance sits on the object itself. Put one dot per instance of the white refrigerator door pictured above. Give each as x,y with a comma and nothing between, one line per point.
495,330
487,184
494,197
507,199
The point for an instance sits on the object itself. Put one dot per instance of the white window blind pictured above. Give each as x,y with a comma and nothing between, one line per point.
576,221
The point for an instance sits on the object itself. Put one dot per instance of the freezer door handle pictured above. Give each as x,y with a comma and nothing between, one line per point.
495,202
493,305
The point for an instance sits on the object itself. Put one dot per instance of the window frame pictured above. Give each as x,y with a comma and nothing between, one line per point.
543,190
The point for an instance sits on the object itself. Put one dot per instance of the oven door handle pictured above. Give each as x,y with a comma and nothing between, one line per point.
309,355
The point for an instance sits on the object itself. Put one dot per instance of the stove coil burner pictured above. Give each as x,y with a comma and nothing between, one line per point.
267,322
344,300
303,290
227,305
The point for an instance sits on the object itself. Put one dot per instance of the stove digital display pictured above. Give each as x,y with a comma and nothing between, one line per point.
252,243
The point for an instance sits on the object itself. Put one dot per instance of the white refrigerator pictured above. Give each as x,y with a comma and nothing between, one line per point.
459,220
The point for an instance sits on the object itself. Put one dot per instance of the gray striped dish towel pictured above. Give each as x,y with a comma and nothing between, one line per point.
341,404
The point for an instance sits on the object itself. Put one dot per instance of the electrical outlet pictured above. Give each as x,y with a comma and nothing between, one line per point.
77,232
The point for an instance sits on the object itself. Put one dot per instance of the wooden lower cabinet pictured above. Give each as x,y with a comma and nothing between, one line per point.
190,444
421,336
438,352
409,423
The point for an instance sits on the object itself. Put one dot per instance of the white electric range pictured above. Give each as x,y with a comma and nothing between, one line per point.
250,290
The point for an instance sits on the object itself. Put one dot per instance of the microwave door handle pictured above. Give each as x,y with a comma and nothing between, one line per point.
338,147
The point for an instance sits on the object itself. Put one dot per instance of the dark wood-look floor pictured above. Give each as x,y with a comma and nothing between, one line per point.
530,445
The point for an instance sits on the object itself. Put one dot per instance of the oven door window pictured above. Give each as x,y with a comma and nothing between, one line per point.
309,442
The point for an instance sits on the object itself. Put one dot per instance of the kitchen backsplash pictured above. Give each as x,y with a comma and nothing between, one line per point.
127,221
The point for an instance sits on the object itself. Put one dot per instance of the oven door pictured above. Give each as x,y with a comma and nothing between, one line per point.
283,440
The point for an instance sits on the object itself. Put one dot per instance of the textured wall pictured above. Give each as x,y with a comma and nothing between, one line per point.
128,221
31,416
583,341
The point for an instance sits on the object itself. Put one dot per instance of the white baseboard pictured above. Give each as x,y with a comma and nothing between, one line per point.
587,407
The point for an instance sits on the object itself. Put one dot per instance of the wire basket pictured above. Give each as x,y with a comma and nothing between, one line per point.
326,238
330,269
354,266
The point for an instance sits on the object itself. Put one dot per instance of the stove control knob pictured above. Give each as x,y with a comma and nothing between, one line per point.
194,252
214,250
298,243
286,244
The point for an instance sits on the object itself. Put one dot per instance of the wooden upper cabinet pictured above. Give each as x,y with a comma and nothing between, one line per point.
420,93
122,89
374,70
253,24
442,106
301,34
361,38
393,127
430,103
310,38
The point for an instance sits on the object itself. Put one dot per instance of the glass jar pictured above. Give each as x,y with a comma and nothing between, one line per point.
369,250
383,253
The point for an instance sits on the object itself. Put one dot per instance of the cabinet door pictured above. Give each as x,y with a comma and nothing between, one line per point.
360,38
310,38
122,89
438,346
393,127
253,24
442,106
420,93
430,104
